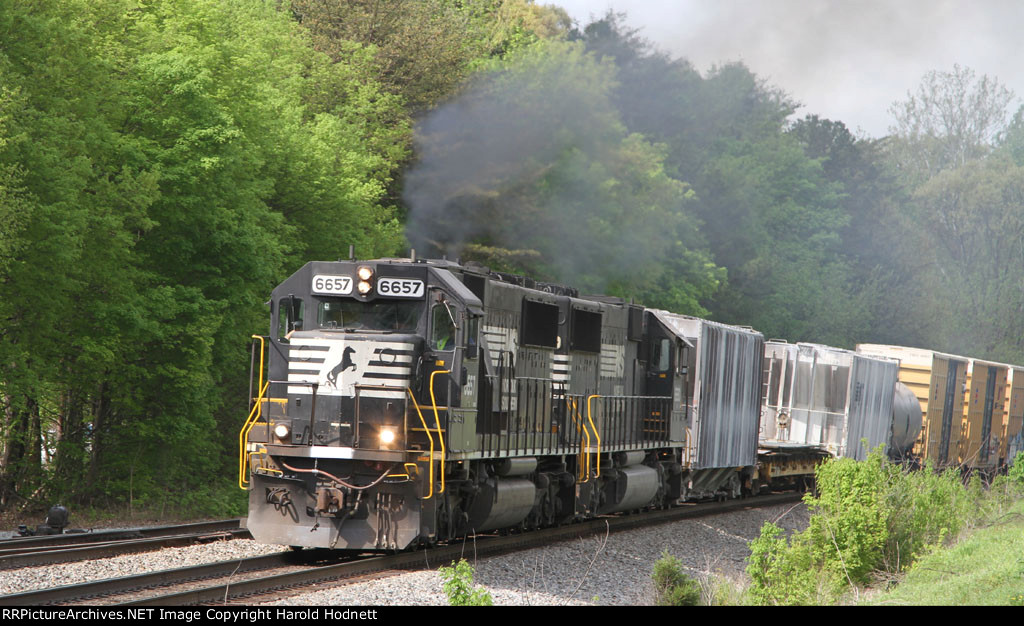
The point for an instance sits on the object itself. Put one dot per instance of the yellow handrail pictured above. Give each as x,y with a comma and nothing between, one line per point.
584,457
430,437
597,435
568,410
437,420
254,415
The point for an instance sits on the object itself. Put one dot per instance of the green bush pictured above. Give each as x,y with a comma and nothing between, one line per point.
458,586
848,526
671,586
867,516
922,510
787,574
1016,471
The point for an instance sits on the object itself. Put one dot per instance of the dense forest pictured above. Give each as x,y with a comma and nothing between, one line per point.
164,163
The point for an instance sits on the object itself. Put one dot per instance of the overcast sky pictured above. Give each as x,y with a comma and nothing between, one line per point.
846,60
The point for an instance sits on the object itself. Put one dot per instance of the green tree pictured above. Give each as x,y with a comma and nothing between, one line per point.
426,49
953,118
769,213
159,164
960,158
878,238
971,225
80,201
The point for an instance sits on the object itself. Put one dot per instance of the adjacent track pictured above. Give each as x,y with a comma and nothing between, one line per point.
44,550
94,590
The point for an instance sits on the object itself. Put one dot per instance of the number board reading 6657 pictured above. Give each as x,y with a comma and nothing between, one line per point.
334,285
400,287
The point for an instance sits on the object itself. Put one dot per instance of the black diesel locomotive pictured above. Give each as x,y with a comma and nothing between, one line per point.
409,402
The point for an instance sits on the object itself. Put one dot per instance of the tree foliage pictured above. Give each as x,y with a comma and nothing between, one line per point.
866,516
425,49
161,167
953,118
958,156
768,213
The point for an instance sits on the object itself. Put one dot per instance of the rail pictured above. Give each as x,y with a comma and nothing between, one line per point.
484,546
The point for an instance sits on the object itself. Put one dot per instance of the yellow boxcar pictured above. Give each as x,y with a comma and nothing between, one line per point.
939,382
1009,441
984,410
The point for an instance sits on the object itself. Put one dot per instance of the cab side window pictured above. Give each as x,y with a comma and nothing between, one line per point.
472,328
661,355
289,315
442,334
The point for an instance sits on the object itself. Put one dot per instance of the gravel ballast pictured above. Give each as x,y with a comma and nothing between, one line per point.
612,569
32,578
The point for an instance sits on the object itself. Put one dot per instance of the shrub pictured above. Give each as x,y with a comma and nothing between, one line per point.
787,574
867,516
922,510
671,586
848,525
1016,471
458,586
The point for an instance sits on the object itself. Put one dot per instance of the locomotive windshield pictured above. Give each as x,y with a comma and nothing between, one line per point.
348,314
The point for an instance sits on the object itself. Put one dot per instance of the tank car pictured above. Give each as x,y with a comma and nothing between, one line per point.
408,402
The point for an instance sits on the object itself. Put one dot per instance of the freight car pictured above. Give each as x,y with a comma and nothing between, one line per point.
414,401
973,409
984,413
1012,440
842,401
939,382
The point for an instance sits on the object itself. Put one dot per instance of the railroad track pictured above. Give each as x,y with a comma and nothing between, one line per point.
45,550
296,570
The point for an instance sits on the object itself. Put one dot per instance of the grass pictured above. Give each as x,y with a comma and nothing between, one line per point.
985,568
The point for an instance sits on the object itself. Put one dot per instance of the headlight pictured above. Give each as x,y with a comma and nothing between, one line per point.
281,431
364,287
364,273
387,436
